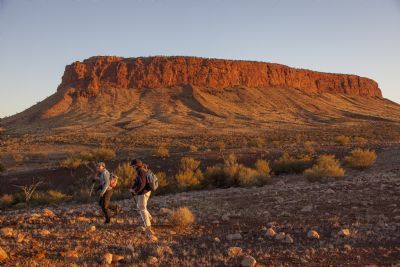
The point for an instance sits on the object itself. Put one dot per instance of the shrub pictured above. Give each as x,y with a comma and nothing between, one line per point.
193,148
326,166
126,174
309,148
256,142
231,173
56,196
162,151
2,168
262,167
103,154
220,146
163,183
72,163
47,197
182,217
342,140
361,158
190,175
6,200
289,164
189,179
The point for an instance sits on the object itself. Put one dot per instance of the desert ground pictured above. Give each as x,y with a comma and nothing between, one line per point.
354,221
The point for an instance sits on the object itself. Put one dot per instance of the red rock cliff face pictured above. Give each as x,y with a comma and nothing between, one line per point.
156,72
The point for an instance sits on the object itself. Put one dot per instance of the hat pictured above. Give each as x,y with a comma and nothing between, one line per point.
101,164
137,163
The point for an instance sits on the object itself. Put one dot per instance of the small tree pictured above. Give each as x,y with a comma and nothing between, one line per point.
189,175
28,191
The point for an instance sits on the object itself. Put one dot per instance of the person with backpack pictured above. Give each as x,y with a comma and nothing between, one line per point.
107,182
142,188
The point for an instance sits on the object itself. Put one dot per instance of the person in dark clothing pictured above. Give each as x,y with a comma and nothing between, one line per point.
106,192
142,189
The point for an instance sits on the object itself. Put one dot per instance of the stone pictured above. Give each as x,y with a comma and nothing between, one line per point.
92,228
48,213
344,232
271,233
216,239
3,255
7,232
289,239
248,261
236,236
117,258
225,217
280,236
20,237
44,232
330,191
307,208
70,255
152,260
234,251
312,234
347,247
108,258
83,219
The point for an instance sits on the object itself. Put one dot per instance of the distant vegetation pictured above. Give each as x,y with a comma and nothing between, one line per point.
360,158
342,140
291,164
327,166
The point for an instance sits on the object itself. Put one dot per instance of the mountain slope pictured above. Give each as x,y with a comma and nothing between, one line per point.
181,93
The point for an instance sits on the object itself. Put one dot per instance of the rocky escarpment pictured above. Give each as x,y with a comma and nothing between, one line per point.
99,72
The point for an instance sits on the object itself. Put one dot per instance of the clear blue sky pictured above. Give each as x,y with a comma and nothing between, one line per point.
38,38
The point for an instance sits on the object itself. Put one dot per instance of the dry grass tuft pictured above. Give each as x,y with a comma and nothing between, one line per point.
326,166
6,200
182,217
361,158
342,140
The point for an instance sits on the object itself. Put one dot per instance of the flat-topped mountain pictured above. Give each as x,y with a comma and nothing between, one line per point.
180,93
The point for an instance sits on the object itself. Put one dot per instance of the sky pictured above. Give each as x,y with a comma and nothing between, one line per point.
38,38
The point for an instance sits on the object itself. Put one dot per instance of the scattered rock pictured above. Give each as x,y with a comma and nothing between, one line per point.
217,240
347,247
236,236
92,228
108,257
312,234
83,219
289,239
280,236
7,232
3,255
117,258
225,217
280,183
152,260
48,213
344,232
20,237
307,208
44,232
330,191
165,211
271,233
70,255
234,251
248,261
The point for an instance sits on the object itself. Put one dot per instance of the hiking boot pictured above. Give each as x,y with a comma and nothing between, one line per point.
150,235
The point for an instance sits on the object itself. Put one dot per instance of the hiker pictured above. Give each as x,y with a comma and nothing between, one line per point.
106,191
142,189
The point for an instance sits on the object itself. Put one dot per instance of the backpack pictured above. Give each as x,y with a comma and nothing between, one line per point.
113,180
152,180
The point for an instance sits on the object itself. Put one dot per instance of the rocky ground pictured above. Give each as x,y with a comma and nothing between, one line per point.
351,222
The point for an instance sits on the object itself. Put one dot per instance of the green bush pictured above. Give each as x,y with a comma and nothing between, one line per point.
342,140
360,158
289,164
326,166
189,176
